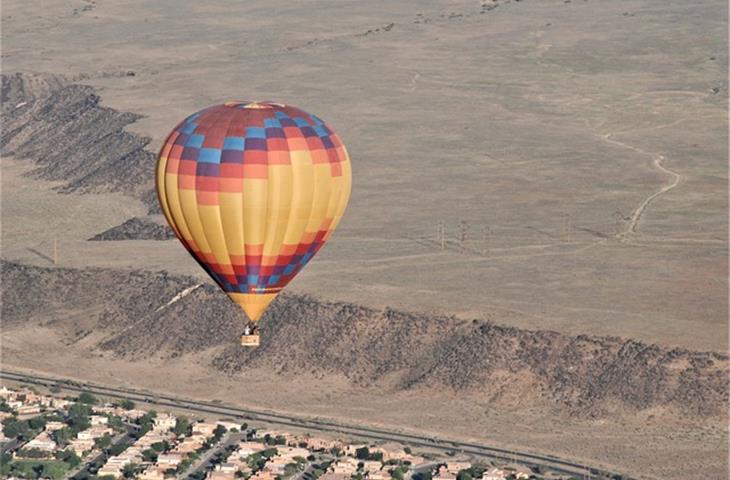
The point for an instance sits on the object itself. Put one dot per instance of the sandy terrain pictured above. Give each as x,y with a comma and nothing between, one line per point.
584,143
540,120
648,446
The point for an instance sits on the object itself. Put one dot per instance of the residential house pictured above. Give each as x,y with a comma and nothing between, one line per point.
345,466
371,465
42,442
351,449
319,443
81,445
28,410
380,475
170,459
152,473
494,474
52,426
445,474
265,475
334,476
228,424
456,466
94,432
99,420
220,475
164,422
205,429
249,448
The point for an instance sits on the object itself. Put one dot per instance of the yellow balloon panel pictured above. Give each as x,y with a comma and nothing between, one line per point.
253,193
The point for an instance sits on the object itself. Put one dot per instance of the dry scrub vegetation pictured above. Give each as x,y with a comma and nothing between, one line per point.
127,313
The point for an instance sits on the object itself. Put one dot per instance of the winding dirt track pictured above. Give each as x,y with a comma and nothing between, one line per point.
633,223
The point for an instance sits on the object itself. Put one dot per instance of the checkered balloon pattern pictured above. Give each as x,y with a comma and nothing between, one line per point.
253,191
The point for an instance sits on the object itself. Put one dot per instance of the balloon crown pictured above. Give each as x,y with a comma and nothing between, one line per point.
252,105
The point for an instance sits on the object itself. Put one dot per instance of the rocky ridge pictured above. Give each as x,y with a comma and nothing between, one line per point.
134,315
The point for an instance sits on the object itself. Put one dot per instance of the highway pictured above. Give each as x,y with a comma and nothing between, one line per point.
558,465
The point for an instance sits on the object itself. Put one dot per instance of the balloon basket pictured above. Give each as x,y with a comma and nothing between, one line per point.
250,340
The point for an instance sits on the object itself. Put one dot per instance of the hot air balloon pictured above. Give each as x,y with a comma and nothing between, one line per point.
253,190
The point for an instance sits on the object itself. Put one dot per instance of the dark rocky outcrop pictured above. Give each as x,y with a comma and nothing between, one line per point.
138,314
62,128
136,229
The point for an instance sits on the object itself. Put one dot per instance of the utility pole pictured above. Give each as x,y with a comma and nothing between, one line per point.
619,221
55,250
566,227
463,228
486,241
440,240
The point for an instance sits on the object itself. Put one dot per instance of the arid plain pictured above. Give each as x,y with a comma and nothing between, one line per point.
579,147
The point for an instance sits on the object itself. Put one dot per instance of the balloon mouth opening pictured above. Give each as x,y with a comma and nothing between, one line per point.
246,104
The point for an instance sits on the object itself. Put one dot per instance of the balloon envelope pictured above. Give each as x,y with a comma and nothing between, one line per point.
253,191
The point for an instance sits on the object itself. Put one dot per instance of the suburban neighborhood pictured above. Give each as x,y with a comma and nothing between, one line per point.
83,437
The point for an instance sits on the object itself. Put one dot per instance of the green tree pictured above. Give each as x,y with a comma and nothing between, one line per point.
464,475
149,455
145,423
184,465
362,453
182,426
103,442
218,432
68,457
408,450
116,423
63,436
269,453
290,469
376,456
14,428
87,398
118,448
52,469
131,470
32,453
127,404
37,423
162,446
78,417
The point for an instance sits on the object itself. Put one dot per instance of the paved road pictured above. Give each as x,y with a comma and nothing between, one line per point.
558,465
121,437
204,461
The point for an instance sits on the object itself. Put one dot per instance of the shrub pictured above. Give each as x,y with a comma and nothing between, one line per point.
87,398
362,453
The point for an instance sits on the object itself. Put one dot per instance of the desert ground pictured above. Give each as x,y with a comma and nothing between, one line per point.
579,147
